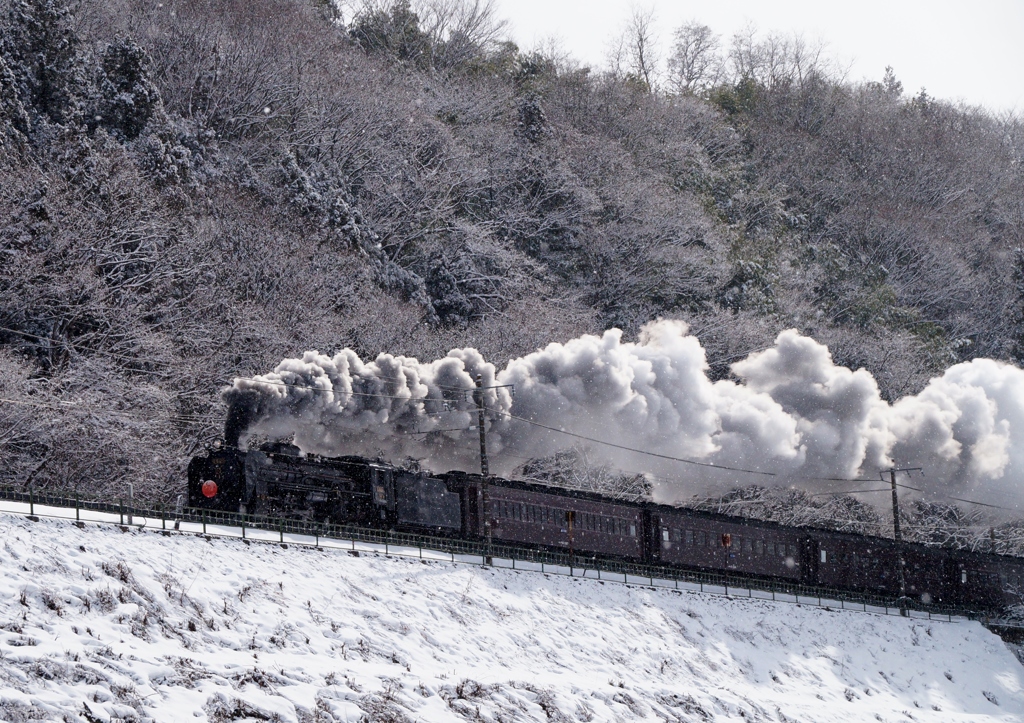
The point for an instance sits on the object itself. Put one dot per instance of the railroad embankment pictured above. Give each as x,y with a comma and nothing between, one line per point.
97,624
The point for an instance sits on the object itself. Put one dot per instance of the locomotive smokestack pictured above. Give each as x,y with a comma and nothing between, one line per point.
242,407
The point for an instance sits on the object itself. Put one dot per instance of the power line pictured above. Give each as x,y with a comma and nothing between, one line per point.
830,479
679,459
637,451
958,499
848,492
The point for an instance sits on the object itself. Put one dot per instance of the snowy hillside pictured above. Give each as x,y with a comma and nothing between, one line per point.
104,625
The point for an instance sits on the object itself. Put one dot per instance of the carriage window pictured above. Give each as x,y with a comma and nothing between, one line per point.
792,550
748,544
689,537
758,547
824,556
664,534
963,576
632,530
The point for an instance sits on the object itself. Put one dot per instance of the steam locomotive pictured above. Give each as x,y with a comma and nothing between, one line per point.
278,480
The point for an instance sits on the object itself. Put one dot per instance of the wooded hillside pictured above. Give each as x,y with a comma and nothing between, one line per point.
193,189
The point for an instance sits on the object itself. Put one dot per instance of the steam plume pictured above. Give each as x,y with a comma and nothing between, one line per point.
793,413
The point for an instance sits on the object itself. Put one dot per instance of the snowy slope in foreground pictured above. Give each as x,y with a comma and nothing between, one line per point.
101,625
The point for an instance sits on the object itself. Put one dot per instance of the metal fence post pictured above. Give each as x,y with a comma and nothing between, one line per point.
120,509
204,522
78,517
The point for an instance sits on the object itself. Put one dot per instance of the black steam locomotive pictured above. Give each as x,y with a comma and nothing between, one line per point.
277,480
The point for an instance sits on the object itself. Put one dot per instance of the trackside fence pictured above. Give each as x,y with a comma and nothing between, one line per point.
477,552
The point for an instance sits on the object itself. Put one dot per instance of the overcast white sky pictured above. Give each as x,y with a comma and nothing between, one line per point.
970,50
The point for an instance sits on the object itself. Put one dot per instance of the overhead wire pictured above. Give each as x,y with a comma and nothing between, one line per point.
958,499
683,460
849,492
637,451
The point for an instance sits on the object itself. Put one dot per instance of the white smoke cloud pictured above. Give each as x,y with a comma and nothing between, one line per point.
793,413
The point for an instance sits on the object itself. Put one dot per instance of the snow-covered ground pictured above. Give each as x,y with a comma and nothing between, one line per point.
97,624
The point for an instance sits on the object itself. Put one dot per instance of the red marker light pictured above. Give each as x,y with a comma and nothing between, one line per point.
209,488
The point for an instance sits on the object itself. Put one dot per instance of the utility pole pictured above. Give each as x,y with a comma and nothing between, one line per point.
899,543
899,536
485,501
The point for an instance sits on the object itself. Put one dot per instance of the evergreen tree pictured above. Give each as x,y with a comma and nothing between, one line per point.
41,48
1017,327
13,118
394,31
127,97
